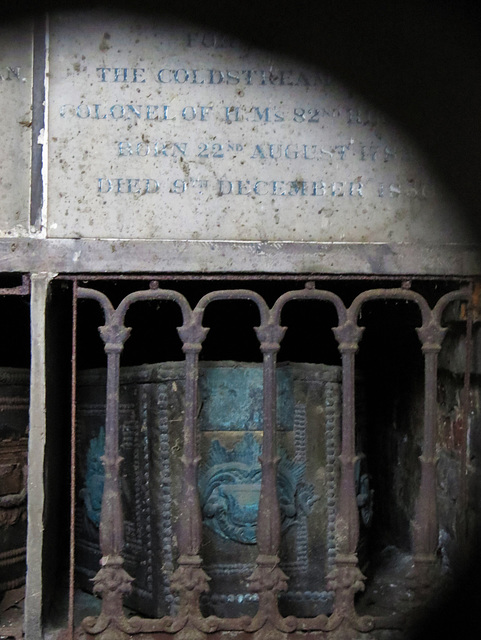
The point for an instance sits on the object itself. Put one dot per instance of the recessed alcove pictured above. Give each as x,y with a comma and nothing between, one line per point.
14,431
390,390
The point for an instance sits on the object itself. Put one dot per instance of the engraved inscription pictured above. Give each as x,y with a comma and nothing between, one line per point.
173,132
9,73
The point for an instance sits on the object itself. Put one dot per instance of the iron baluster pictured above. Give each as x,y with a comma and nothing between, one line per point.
189,579
111,581
346,578
425,525
73,455
268,579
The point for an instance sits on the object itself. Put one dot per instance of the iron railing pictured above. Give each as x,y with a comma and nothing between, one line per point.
268,580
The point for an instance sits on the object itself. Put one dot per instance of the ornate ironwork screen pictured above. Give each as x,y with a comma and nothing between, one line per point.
267,580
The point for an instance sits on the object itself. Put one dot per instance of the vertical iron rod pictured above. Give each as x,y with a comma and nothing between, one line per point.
73,437
348,534
269,526
189,536
431,369
425,525
268,579
189,579
466,403
111,525
346,578
348,336
112,581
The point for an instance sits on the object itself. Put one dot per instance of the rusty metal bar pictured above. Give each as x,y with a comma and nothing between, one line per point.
348,521
446,299
73,441
154,293
425,525
111,581
465,409
268,579
346,578
391,294
313,277
309,293
111,524
235,294
190,580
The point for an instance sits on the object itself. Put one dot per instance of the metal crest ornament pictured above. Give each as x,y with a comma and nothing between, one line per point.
230,486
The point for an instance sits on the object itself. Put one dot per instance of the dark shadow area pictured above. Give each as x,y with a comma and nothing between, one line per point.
57,448
392,365
14,428
15,315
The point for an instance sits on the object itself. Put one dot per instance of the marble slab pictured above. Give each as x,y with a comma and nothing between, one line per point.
16,62
167,131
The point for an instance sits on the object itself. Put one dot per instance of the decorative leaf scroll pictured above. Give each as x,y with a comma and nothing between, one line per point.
230,484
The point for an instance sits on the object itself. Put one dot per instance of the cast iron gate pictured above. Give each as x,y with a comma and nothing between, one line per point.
267,580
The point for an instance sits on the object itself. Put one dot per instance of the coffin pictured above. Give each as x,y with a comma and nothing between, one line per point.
14,397
230,440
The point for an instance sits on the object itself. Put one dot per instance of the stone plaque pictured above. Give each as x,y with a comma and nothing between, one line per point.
14,393
16,46
168,131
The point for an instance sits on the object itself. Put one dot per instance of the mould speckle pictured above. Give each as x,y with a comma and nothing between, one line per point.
104,44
